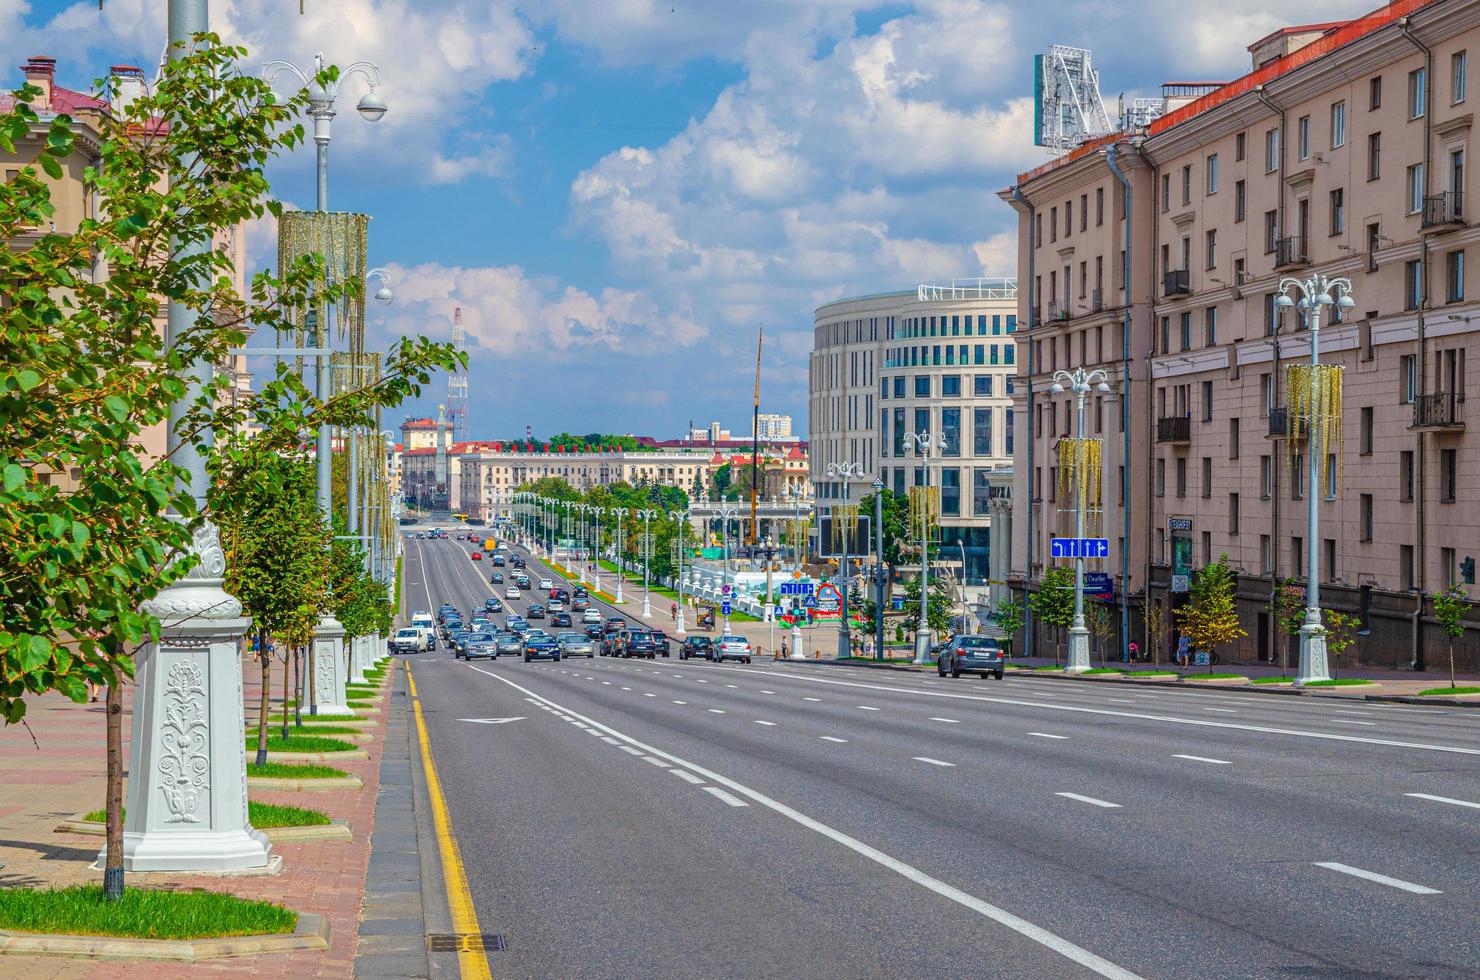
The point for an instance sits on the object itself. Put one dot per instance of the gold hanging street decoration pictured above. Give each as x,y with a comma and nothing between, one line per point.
340,238
1079,475
924,509
1313,403
844,523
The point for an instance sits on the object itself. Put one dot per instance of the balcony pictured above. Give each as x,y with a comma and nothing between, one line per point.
1057,313
1097,301
1176,282
1279,425
1438,413
1290,253
1176,430
1443,212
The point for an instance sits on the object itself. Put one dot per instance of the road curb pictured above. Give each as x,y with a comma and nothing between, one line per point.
1415,699
313,932
333,830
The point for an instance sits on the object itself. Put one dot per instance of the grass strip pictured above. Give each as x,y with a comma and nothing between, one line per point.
1151,673
293,770
142,913
1212,677
317,730
317,720
358,705
1273,680
1046,667
1102,670
1449,690
1338,682
263,816
302,743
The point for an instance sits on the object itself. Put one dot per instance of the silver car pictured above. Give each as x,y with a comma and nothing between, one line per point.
575,645
508,642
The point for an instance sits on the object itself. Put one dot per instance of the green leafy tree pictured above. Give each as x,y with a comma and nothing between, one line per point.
1101,623
1289,614
1010,617
938,614
1209,619
1156,631
1341,632
1449,609
1053,603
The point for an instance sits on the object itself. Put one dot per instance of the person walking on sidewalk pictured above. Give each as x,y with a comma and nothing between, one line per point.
783,654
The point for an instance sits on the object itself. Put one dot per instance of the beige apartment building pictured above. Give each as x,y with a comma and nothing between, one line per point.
489,474
1344,152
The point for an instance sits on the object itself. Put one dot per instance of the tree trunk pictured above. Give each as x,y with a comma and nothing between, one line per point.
287,655
1451,662
264,716
113,804
298,687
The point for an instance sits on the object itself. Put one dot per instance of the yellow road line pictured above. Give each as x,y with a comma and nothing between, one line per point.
473,965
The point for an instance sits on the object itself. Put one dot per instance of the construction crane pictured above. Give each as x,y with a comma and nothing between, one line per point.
755,440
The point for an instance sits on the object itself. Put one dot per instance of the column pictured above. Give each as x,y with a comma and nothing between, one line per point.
329,670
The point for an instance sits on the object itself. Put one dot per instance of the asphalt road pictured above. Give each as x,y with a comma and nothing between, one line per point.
684,819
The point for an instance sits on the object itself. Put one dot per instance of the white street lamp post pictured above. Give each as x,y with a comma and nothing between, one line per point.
726,513
925,446
846,472
618,512
1316,292
596,550
647,561
1080,382
683,523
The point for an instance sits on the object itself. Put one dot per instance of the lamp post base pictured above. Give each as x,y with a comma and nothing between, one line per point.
797,653
845,645
678,626
647,608
1313,663
328,674
1078,650
922,648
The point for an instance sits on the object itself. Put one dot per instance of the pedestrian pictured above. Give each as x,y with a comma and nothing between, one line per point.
1135,652
868,647
784,654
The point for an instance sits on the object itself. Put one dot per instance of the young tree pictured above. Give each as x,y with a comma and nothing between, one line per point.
1341,632
1210,617
1101,623
1009,617
1449,608
1053,603
1156,631
1289,614
938,613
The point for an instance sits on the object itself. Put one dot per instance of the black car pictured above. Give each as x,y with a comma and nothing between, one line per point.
697,646
456,639
638,643
450,625
493,604
535,611
517,562
498,561
540,646
660,641
560,619
971,654
497,578
594,632
479,645
581,593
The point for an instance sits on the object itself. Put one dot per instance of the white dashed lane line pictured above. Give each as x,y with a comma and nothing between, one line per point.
948,721
811,699
1398,883
829,738
687,776
630,750
680,702
934,762
1443,799
1090,800
717,711
770,724
1046,735
657,762
1199,758
865,707
718,793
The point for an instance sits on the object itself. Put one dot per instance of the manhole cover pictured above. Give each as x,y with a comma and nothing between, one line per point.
465,942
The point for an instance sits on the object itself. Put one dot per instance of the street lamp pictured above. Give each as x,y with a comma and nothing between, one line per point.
596,549
1081,383
619,515
847,472
683,524
796,493
925,445
726,513
1315,292
647,560
358,523
879,574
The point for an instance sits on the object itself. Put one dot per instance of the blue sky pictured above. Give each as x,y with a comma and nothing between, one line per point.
619,192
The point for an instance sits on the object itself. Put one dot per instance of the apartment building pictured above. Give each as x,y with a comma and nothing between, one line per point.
1343,152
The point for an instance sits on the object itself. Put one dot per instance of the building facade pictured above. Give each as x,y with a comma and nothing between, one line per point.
489,474
936,359
1345,153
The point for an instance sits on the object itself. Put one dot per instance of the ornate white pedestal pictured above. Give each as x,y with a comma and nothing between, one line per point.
187,779
329,670
355,656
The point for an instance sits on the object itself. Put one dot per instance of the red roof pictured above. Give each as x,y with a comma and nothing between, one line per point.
419,424
425,451
796,453
64,101
1297,29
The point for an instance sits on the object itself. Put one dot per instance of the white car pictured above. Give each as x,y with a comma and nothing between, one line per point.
512,592
546,584
555,605
732,647
591,615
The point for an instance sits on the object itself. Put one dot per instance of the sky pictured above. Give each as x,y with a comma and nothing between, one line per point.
620,193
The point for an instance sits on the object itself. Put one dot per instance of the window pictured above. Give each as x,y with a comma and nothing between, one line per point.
1331,471
1181,476
950,491
1207,401
1271,151
1211,174
1271,315
922,386
1417,96
1405,565
1233,437
950,427
1459,77
950,386
1412,284
1007,434
1083,211
1448,476
1210,246
1338,211
1166,191
1302,138
982,386
1415,188
1454,276
1329,546
1366,433
1161,477
1266,477
981,492
1365,516
1271,230
1374,242
1297,476
1207,476
981,432
1233,514
1038,229
1068,218
1207,547
1408,369
1240,200
1238,148
1266,559
899,434
1374,156
1374,93
1297,552
922,421
1210,326
1099,206
1185,333
899,387
1166,336
1405,476
1187,183
1446,564
1338,124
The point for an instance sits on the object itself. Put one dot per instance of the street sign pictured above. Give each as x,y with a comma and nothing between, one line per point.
797,588
1079,548
1099,585
724,608
811,602
726,588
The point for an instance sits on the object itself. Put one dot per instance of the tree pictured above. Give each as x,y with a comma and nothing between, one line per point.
1341,632
1156,631
1053,603
1449,606
938,613
1289,614
1210,616
1010,617
1101,623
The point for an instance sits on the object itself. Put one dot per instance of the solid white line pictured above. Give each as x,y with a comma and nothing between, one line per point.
1406,886
630,750
681,774
948,721
770,724
1036,933
647,695
1090,799
1443,799
829,738
864,707
1046,735
1343,721
811,699
657,762
1203,758
717,711
718,793
680,702
933,762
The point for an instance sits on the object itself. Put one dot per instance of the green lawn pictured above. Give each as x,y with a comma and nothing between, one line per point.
1339,682
1046,667
324,729
1103,670
291,770
1450,690
357,705
302,743
141,913
317,720
263,816
1273,680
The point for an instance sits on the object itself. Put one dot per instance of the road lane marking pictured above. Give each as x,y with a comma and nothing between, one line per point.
1398,883
680,702
630,750
610,741
1091,800
1203,758
768,692
1226,711
769,724
1343,721
829,738
1443,799
607,683
626,688
718,793
717,711
733,685
1120,700
811,699
1046,735
1036,933
948,721
657,762
647,695
690,777
865,707
933,762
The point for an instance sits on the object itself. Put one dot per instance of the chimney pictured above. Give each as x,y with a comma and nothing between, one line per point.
40,72
128,85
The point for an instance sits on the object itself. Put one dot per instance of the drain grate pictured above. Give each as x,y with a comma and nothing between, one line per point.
465,942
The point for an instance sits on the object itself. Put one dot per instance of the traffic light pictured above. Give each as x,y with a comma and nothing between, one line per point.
1467,571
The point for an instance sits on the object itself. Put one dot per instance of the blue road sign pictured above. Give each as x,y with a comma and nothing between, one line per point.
1099,585
797,588
811,602
1079,548
724,608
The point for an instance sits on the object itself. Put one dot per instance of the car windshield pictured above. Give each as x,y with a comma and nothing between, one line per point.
406,632
736,639
574,637
480,638
978,643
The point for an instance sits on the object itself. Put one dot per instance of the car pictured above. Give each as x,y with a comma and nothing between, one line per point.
480,645
696,646
480,625
581,593
518,624
456,640
497,578
422,618
492,604
555,605
477,556
512,592
421,535
638,643
410,639
508,642
562,594
591,616
732,647
517,562
535,611
546,584
594,632
451,626
580,604
521,580
539,645
574,645
498,561
560,619
972,655
660,641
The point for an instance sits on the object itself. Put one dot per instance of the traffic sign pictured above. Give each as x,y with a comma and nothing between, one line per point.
724,608
1079,548
797,588
1099,585
726,588
811,602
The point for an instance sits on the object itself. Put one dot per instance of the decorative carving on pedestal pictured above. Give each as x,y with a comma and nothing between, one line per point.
186,762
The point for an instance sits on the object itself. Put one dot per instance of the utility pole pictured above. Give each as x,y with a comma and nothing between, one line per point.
1080,382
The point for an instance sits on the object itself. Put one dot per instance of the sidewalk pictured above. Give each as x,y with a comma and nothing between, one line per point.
66,776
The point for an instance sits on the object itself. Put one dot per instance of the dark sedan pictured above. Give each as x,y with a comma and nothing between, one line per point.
540,646
560,619
535,611
972,655
697,646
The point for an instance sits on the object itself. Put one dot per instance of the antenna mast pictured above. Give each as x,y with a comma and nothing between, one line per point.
457,383
755,439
